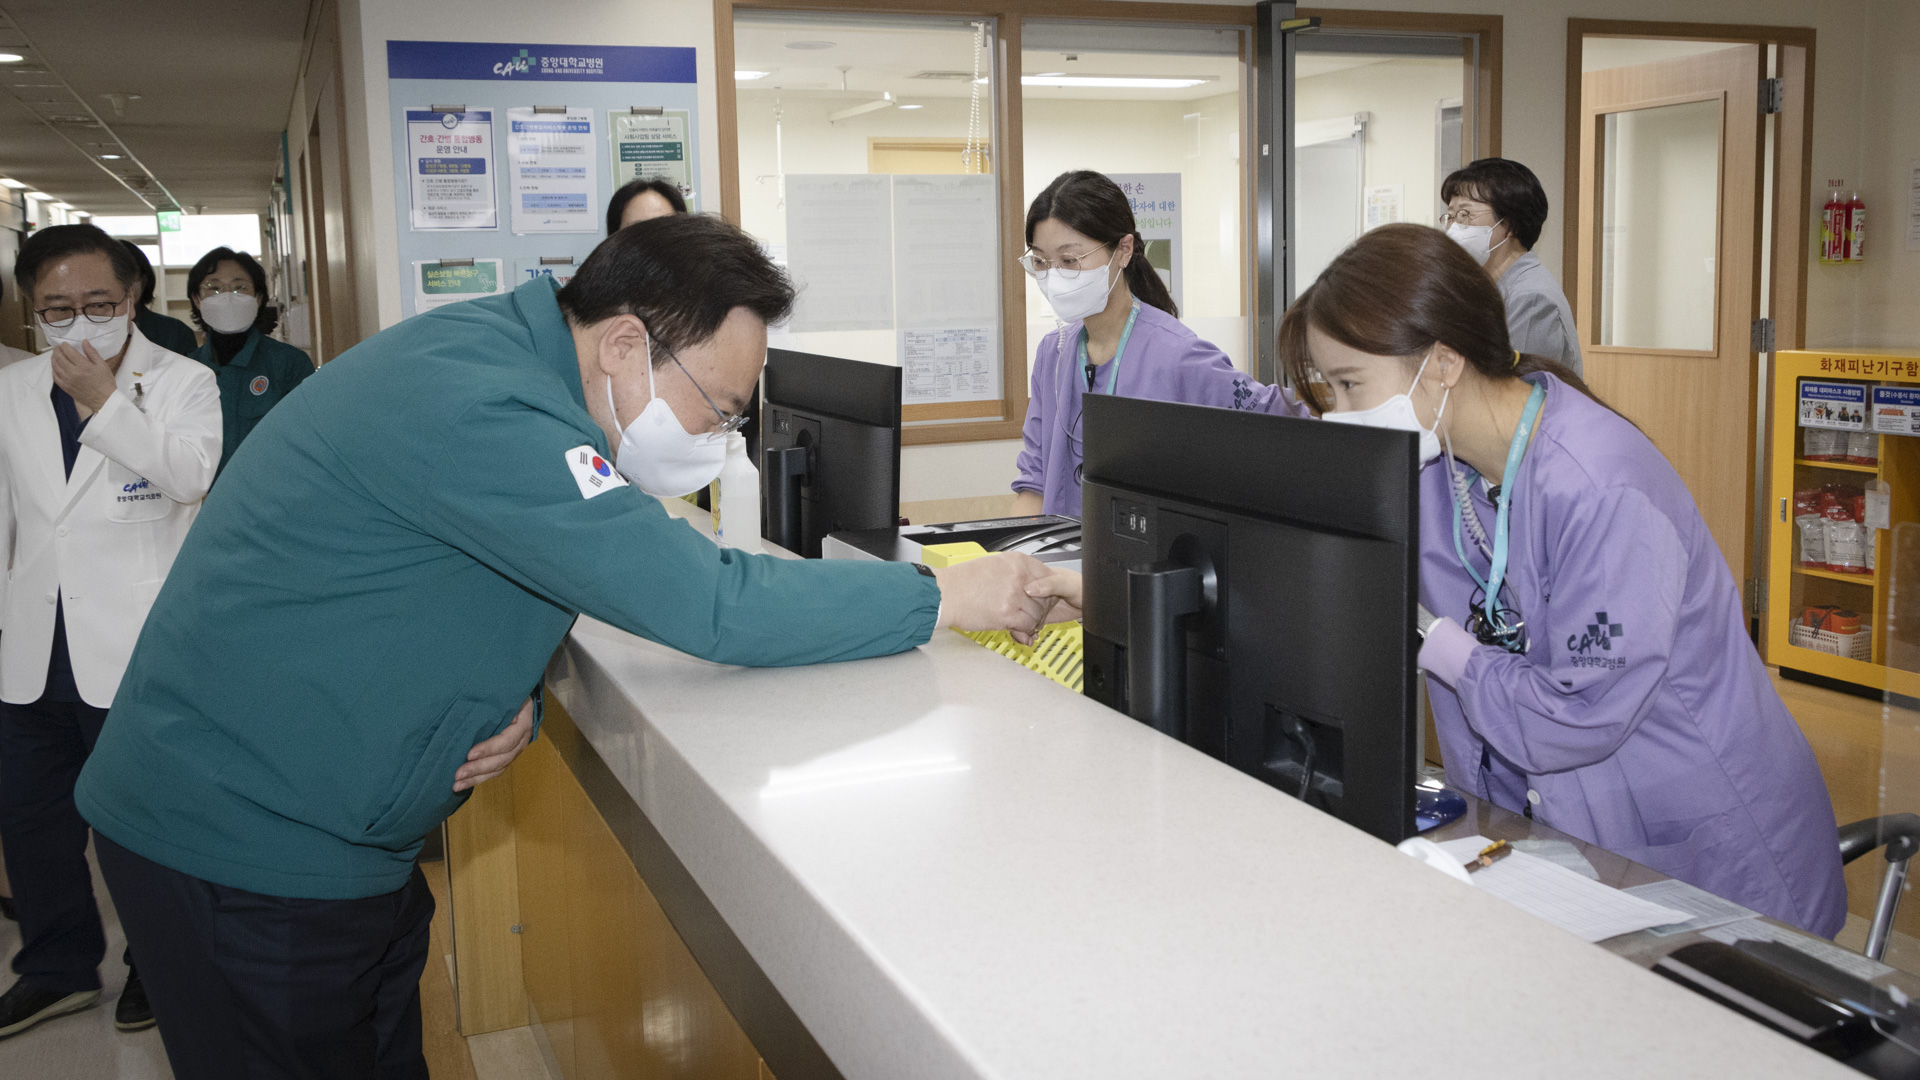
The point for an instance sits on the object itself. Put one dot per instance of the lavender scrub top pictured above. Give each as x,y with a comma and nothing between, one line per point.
1640,718
1161,360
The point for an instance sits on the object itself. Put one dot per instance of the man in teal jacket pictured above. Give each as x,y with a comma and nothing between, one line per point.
374,589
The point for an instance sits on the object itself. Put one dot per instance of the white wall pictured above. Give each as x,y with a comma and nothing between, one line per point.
1866,138
1403,95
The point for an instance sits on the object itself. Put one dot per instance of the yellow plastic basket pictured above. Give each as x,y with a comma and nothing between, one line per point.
1057,653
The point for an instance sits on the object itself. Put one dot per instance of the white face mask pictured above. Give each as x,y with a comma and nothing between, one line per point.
1475,239
229,312
107,338
658,455
1074,299
1397,414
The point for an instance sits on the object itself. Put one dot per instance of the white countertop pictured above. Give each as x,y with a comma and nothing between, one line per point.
952,867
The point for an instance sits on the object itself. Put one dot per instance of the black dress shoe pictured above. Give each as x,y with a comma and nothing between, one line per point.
132,1013
6,909
24,1006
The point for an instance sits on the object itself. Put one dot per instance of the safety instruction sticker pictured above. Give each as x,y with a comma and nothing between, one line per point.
1841,406
1896,410
592,472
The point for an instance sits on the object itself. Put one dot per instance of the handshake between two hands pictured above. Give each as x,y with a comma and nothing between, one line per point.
1007,591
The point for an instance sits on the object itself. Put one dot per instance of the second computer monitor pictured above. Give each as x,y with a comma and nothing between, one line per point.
830,448
1250,589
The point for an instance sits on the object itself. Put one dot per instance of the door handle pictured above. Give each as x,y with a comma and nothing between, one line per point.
1783,508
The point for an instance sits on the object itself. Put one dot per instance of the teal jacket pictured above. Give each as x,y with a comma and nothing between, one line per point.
165,331
377,584
264,371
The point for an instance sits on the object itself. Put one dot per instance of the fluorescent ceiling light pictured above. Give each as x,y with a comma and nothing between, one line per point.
1113,82
905,107
10,58
743,75
38,196
10,182
109,157
885,102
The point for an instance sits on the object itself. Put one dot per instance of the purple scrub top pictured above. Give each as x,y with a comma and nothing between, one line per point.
1641,718
1163,360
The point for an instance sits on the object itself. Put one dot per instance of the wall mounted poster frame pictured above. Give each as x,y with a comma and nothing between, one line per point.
467,78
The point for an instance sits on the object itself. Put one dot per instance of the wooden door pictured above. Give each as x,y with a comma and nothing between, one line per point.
1668,280
921,156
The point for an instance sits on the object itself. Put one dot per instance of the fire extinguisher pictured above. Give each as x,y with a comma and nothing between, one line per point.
1833,225
1856,228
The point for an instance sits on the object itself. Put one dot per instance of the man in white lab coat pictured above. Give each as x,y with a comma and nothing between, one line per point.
108,443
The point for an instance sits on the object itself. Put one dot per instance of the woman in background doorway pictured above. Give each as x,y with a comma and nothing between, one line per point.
228,291
1495,209
641,200
1119,333
163,330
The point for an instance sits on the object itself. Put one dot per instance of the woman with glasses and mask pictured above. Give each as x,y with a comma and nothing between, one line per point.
228,289
1495,210
1119,333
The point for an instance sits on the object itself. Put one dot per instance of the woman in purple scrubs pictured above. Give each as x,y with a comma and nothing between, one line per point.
1119,333
1590,666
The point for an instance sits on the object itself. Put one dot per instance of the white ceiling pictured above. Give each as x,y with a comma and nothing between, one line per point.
879,58
215,80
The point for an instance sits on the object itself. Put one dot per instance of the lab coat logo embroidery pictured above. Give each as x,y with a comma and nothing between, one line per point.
258,385
591,472
1600,634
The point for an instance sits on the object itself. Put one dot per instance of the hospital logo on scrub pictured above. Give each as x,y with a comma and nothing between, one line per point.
258,385
517,65
1600,634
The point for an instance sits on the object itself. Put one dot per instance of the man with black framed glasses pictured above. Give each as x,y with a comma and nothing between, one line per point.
384,572
107,445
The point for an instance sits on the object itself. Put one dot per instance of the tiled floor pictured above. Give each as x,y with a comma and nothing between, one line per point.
83,1045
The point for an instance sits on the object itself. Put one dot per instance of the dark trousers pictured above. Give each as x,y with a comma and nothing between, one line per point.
42,748
252,986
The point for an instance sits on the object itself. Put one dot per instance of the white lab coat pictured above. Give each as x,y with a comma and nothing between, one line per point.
103,540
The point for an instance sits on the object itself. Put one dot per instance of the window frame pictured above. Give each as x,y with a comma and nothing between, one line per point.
974,421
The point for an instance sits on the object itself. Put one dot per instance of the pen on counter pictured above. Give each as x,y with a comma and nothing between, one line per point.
1489,855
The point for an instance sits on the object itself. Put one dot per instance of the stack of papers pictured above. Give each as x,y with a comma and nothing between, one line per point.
1580,906
1707,909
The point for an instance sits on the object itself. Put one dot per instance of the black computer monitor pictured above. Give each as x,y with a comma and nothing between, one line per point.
1250,589
830,448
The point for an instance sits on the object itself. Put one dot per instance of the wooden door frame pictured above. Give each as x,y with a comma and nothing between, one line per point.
1790,229
1793,134
1009,169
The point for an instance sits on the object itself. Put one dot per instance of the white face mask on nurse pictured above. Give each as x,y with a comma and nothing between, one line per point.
1377,391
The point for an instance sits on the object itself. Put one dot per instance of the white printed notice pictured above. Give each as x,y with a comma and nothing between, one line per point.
952,364
553,170
450,170
840,252
945,244
651,146
1155,199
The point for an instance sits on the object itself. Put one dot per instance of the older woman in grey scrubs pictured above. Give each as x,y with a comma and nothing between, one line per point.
1495,209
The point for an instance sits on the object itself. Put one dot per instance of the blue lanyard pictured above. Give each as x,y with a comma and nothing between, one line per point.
1497,568
1119,351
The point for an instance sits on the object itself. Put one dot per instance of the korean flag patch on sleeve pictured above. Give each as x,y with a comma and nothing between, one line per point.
592,472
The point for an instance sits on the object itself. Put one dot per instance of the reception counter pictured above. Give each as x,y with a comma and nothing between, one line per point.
942,865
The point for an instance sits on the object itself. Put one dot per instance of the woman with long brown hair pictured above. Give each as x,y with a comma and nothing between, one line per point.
1591,667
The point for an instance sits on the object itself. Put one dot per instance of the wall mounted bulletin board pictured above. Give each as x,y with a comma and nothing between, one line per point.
505,154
